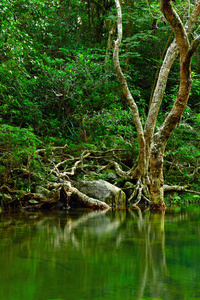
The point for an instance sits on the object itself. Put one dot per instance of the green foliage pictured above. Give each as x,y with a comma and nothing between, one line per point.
18,149
13,138
183,199
182,155
112,128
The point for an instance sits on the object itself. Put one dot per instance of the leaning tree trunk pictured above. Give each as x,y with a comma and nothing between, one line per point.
161,137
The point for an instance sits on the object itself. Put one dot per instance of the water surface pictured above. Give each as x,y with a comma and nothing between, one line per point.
117,254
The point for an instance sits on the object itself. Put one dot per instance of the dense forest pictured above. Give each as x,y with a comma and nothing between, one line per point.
61,101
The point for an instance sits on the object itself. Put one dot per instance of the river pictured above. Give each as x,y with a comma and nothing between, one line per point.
111,255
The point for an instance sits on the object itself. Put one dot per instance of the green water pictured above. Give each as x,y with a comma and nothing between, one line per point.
100,255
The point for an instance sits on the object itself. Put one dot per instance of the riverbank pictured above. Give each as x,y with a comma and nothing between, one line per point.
49,178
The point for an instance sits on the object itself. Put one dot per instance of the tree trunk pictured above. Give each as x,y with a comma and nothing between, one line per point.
129,4
161,137
127,93
152,146
157,182
159,90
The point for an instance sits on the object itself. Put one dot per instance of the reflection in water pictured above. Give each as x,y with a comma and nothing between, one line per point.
153,265
114,254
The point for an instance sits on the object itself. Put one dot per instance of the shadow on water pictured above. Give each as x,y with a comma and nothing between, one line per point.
114,254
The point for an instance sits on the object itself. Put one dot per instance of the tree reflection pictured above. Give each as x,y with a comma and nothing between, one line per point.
113,252
152,263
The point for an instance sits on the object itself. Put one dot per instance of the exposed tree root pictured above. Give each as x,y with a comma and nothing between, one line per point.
97,155
72,172
118,170
10,190
169,188
38,151
87,201
69,191
141,191
191,192
65,168
34,201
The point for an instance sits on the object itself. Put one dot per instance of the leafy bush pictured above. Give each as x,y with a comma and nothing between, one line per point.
113,128
18,149
182,155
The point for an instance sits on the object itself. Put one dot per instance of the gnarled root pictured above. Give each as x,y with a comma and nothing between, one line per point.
118,170
141,191
85,200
